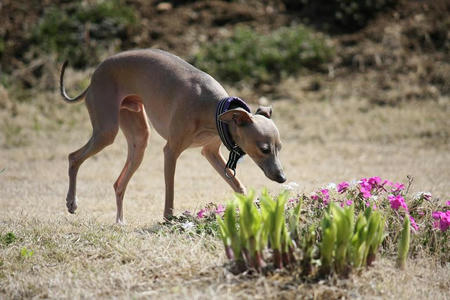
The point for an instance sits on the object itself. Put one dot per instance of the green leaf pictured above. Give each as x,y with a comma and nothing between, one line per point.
403,246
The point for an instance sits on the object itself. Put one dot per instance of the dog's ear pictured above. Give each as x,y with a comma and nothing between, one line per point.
265,111
239,116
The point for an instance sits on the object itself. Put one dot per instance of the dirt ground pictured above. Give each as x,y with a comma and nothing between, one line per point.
86,255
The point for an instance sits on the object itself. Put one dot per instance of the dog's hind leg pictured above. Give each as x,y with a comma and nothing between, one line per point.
134,125
104,133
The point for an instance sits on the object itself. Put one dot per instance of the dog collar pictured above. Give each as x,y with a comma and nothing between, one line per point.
224,132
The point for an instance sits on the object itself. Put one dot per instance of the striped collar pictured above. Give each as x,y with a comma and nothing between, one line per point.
223,129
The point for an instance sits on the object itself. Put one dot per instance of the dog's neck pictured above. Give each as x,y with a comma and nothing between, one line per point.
227,132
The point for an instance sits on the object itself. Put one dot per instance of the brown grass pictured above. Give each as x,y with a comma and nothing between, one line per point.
87,256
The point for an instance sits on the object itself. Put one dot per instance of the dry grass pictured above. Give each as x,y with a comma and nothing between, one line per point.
86,256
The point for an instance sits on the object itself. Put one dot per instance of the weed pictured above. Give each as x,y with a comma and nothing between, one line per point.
257,59
203,223
83,32
26,253
8,238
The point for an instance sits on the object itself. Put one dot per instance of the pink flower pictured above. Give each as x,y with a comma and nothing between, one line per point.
426,196
398,187
447,203
397,201
326,196
436,224
365,192
314,197
375,181
220,209
436,215
444,223
349,202
387,182
443,219
325,193
342,187
201,213
413,223
365,187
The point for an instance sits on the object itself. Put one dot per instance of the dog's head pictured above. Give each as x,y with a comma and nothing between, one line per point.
258,136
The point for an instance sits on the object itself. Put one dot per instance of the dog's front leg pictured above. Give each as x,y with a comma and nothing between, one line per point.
215,158
171,155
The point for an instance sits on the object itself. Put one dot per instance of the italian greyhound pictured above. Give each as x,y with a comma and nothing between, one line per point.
181,102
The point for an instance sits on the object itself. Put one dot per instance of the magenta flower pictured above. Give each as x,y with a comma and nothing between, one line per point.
447,203
201,213
326,196
220,209
374,181
398,187
349,202
315,197
342,187
426,196
325,193
437,215
387,182
436,224
365,192
397,201
443,219
413,223
365,187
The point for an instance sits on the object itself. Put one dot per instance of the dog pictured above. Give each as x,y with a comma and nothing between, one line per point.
185,105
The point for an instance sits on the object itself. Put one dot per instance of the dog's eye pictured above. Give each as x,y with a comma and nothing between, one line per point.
265,150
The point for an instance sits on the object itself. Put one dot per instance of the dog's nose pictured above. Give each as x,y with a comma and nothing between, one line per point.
280,178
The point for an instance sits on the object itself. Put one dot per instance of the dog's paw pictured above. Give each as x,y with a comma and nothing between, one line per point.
243,191
120,222
71,205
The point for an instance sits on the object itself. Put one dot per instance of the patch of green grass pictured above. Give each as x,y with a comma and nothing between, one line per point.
9,237
26,253
257,59
81,32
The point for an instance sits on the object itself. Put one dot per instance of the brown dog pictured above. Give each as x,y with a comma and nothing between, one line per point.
182,104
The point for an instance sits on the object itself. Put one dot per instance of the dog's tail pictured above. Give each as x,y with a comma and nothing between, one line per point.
63,90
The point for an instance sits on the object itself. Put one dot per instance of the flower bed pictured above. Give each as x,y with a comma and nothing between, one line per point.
335,229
